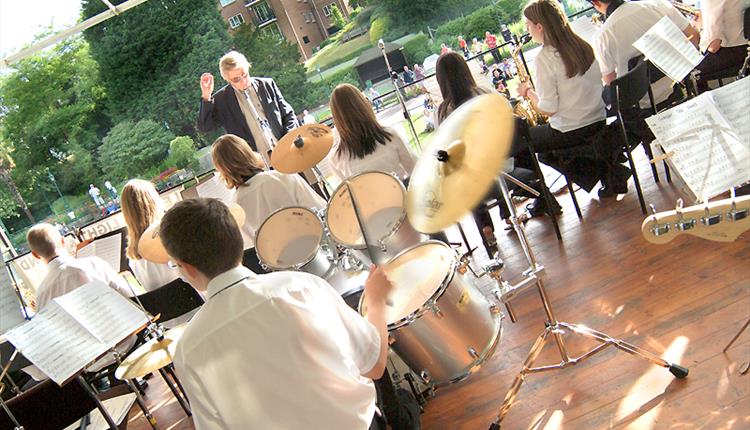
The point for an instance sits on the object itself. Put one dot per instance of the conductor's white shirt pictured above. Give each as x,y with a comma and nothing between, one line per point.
267,192
613,44
65,274
277,351
393,157
575,101
152,275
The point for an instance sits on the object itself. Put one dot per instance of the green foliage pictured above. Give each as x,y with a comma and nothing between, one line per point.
182,152
379,28
415,15
152,56
8,205
274,58
417,49
131,148
488,18
337,17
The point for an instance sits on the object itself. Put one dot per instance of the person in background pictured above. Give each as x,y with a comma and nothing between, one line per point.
444,48
275,351
307,118
111,190
418,72
141,207
463,46
374,97
491,41
95,194
408,75
477,48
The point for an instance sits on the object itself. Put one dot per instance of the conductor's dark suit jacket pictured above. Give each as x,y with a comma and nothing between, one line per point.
224,111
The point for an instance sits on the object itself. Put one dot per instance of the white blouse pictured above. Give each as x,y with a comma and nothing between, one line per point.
152,275
723,19
267,192
576,102
393,157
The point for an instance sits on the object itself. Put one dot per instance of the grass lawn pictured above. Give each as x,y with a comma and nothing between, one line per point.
314,76
333,53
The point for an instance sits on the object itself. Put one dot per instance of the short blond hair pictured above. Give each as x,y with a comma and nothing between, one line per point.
235,160
232,60
44,240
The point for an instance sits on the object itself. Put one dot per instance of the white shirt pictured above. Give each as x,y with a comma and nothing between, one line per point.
393,157
723,19
152,275
65,274
613,45
277,351
267,192
575,101
256,119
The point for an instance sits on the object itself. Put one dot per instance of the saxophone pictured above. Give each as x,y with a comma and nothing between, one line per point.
523,107
686,9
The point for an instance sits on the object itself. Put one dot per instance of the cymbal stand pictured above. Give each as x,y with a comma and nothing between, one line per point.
16,425
555,329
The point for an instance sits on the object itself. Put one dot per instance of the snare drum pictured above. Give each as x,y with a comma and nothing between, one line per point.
441,325
292,239
380,198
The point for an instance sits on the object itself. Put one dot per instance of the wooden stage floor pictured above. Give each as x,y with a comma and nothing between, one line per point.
684,300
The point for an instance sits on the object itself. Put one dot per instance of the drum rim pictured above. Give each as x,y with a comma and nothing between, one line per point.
298,265
415,315
393,230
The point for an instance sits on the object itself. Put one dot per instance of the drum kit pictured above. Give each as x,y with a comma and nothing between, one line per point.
440,324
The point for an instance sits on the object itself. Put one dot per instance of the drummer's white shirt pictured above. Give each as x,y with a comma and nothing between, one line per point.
267,192
277,351
393,157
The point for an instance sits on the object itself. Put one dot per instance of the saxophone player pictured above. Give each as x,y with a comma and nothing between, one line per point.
723,38
568,82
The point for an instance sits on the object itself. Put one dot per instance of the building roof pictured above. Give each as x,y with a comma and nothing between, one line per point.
375,52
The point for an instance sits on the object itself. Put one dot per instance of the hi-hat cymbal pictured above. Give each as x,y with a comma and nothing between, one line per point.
152,249
302,148
453,175
151,356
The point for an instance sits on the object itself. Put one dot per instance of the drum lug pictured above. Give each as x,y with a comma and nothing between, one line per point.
383,248
391,339
473,353
494,309
425,375
435,309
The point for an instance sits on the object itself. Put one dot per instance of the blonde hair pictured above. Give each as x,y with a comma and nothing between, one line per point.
232,60
141,206
235,161
44,239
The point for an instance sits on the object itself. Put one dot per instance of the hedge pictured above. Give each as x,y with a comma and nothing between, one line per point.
488,18
417,49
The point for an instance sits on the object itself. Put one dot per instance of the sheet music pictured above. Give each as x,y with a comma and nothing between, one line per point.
108,249
732,101
56,343
106,314
216,189
586,29
668,48
707,153
10,308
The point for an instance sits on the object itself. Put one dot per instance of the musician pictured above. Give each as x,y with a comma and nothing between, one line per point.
361,143
626,22
259,193
274,351
568,82
65,273
141,206
723,37
457,86
249,107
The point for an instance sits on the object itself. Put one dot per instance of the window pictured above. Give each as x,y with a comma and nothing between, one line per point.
328,9
308,16
236,21
306,39
274,30
263,13
225,2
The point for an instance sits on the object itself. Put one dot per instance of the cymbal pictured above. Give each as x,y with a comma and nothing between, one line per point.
152,249
151,356
302,148
454,174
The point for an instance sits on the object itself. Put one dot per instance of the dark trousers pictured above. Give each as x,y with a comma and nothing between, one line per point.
725,59
496,55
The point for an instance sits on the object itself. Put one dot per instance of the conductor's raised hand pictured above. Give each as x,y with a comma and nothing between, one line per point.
207,85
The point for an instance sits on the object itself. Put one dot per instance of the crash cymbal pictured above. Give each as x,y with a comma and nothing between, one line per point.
302,148
151,356
151,248
454,174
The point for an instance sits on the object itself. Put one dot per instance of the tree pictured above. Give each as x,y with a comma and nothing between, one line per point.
275,58
337,17
181,152
131,149
151,58
8,206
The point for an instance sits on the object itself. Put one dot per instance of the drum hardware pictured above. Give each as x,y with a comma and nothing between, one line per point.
399,96
16,425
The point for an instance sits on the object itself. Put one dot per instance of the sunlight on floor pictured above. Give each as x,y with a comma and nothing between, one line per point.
648,388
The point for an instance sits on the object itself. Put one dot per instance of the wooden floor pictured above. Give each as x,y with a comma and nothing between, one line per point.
684,301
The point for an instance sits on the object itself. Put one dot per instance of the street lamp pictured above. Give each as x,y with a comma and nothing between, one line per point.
54,183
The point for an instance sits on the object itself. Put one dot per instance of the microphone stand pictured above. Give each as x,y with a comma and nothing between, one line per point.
393,75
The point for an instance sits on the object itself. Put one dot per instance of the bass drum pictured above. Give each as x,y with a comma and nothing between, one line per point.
441,325
380,198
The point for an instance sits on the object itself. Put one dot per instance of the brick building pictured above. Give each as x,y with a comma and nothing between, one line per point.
306,23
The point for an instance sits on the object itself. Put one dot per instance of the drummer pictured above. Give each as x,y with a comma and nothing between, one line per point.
361,144
273,351
259,193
